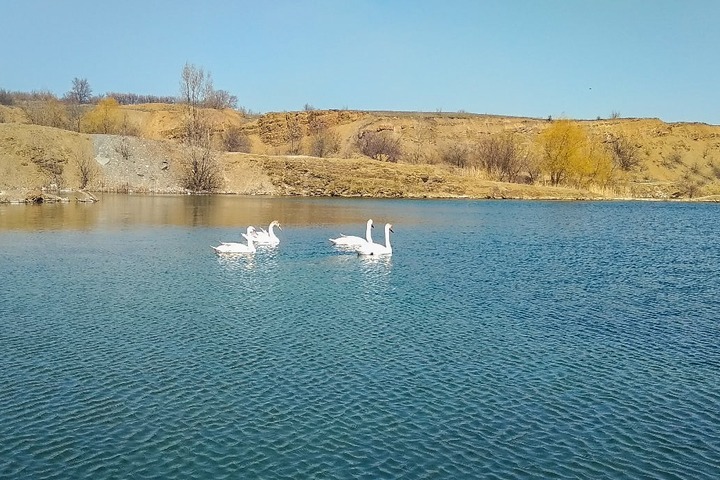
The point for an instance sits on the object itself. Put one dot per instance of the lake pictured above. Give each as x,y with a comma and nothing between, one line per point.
503,339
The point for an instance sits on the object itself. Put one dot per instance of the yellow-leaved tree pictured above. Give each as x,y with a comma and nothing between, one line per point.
104,118
568,155
595,166
561,148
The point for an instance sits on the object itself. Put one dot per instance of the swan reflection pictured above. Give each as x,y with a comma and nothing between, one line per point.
235,262
264,260
375,268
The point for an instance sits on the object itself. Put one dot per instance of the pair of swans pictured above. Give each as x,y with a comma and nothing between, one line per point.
265,237
252,236
366,246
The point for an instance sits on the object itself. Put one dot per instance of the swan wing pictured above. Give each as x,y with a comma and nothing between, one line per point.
232,247
348,240
373,249
267,241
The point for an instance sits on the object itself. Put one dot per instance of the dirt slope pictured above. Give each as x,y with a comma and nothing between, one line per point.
35,157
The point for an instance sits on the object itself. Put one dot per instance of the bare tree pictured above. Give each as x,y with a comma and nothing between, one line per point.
88,169
202,171
135,99
323,141
49,112
294,133
532,168
691,183
220,99
457,155
501,157
421,136
75,114
379,145
624,152
194,85
6,97
236,140
80,91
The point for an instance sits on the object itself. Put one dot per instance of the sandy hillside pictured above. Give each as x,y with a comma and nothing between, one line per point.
151,160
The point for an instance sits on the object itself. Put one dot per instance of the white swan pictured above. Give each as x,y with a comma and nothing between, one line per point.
353,241
231,247
266,237
377,249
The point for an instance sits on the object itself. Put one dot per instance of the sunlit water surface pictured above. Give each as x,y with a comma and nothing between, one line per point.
501,340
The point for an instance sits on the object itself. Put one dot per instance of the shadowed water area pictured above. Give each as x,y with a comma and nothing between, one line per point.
501,340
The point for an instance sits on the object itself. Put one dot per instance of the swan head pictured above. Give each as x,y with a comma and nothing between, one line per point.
250,230
388,227
275,223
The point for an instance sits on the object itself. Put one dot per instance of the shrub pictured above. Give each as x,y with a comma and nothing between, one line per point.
49,112
53,167
379,145
691,184
293,133
6,97
715,168
236,140
502,158
123,148
87,168
135,99
672,160
624,152
201,170
220,99
456,155
324,143
104,118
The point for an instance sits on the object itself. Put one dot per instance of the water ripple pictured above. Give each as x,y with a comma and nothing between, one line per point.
526,348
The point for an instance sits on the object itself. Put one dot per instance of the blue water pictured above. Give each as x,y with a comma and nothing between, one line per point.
501,340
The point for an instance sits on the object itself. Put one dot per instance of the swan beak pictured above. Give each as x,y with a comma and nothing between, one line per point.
393,231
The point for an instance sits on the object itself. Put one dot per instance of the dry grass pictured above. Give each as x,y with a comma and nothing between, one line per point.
358,177
673,157
24,149
244,176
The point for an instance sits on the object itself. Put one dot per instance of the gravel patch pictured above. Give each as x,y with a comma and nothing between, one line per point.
137,164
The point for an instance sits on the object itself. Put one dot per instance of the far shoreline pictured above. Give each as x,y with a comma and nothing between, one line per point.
39,197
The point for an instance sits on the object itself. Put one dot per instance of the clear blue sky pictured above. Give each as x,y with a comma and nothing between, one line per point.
566,58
